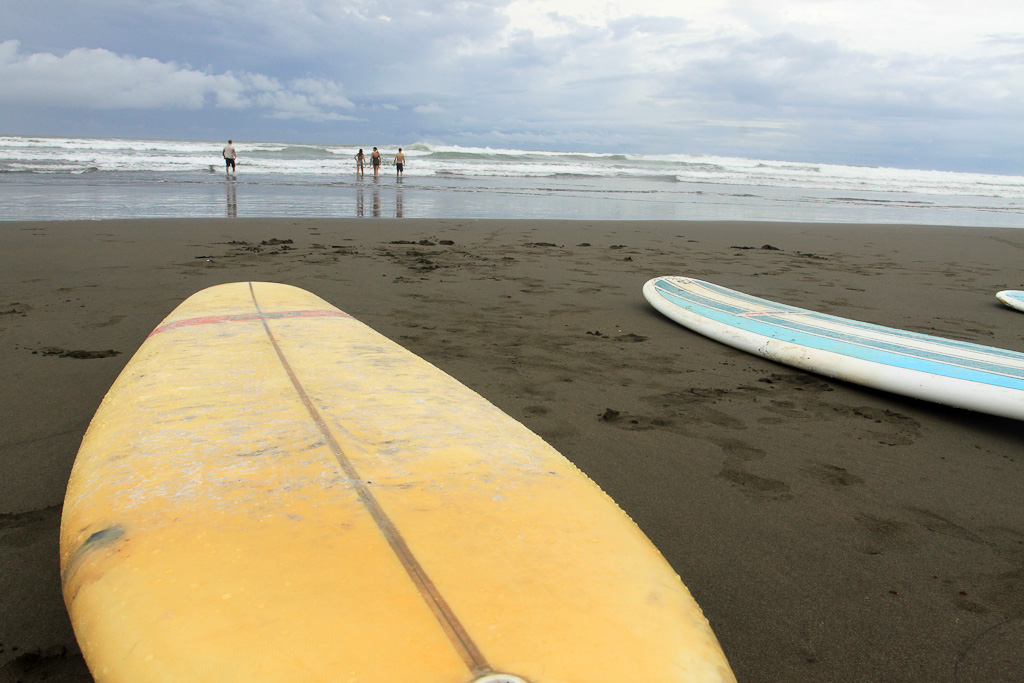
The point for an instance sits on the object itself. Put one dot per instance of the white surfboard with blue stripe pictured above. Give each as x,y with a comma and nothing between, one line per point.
947,371
1012,298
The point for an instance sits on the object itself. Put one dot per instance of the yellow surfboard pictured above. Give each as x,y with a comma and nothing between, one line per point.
272,491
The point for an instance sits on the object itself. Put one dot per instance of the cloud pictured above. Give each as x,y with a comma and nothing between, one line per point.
309,99
100,79
432,108
787,73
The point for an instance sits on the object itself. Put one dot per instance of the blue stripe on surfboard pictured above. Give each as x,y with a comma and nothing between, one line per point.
999,368
1014,359
999,361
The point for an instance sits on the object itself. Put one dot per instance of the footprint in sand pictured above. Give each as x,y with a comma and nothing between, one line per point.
833,475
77,353
758,487
22,529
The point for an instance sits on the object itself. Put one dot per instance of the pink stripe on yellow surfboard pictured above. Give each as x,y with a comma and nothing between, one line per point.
244,317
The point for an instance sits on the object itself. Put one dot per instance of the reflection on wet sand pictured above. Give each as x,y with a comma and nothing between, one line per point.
377,208
232,199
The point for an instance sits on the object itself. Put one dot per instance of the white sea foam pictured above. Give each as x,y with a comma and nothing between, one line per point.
69,155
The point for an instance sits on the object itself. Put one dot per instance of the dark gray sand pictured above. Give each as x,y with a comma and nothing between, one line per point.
830,532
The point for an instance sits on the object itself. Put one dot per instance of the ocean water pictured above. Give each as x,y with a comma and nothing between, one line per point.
86,179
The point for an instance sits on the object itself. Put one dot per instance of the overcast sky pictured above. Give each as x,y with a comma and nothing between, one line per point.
908,83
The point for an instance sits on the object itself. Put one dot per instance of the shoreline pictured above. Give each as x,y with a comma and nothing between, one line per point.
142,195
829,531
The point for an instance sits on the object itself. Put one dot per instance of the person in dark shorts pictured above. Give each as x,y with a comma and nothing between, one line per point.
229,157
399,162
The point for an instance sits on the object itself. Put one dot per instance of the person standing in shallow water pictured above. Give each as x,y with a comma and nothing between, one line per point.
360,162
229,157
399,162
375,161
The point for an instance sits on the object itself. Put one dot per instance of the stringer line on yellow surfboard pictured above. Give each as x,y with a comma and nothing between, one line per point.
449,622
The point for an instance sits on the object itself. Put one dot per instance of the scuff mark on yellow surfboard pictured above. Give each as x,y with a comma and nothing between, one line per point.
273,491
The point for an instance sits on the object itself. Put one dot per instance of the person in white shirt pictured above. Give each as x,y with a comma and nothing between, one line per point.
229,157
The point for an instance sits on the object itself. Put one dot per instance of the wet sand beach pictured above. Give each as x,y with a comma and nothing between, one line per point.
830,532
